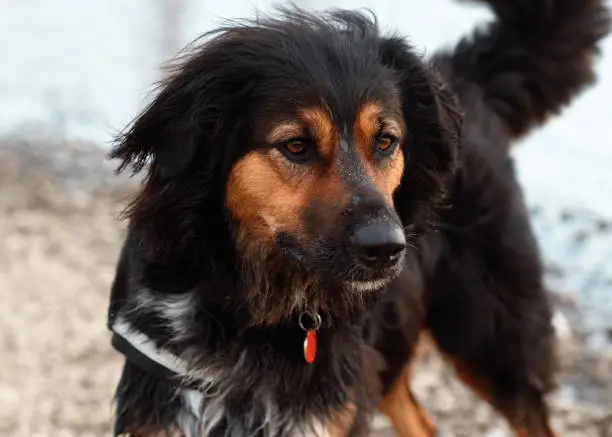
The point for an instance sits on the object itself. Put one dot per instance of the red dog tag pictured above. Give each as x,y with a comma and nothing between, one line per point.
310,346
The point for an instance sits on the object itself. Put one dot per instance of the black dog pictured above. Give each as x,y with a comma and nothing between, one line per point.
316,198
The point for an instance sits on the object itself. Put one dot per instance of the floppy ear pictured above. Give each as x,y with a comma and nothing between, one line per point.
165,134
186,135
433,118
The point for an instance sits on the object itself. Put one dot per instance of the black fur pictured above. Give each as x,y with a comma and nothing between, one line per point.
473,277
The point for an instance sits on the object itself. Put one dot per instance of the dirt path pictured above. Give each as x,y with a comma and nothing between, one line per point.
60,241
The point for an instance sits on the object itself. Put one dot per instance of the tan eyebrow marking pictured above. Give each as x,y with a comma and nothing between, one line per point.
370,119
284,132
323,128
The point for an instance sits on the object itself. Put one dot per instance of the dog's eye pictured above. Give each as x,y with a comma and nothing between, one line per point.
295,147
386,143
297,150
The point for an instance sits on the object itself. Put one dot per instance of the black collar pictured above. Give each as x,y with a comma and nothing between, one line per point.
133,355
142,351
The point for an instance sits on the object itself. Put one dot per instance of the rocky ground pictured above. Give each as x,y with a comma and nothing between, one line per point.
60,237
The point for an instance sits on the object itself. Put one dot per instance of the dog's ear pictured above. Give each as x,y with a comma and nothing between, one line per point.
166,134
433,118
184,138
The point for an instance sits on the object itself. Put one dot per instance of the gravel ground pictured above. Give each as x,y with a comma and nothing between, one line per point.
60,239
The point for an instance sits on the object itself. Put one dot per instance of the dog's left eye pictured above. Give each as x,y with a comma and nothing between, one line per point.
386,143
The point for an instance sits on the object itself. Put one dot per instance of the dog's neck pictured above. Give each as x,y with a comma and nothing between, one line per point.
185,326
258,368
241,370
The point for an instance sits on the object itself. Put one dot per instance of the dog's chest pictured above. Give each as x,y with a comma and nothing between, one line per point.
200,417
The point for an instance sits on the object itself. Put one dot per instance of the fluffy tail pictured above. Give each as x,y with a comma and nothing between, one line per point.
531,61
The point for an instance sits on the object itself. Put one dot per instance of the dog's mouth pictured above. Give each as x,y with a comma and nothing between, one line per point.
338,266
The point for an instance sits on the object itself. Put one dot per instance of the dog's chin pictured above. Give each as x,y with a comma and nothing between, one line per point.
373,284
367,286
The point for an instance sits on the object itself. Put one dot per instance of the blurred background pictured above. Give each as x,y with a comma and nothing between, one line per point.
74,72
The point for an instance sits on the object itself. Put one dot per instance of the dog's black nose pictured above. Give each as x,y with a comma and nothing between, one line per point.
379,244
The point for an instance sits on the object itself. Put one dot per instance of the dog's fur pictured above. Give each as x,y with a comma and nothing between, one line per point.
229,242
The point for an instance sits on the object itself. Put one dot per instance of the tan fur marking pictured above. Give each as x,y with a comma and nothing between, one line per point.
545,431
342,422
284,132
266,193
391,176
263,197
320,122
481,388
367,126
408,417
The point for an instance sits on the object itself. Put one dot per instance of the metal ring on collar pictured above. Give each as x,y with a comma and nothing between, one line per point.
314,316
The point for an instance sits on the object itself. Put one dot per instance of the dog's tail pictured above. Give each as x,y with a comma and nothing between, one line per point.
531,61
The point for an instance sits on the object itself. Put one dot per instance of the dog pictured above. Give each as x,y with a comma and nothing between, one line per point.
317,198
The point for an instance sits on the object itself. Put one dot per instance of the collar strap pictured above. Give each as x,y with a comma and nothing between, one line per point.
141,360
141,350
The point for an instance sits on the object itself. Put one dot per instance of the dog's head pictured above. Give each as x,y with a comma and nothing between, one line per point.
320,140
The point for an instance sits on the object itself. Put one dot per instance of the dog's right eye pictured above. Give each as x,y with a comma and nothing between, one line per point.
297,150
295,147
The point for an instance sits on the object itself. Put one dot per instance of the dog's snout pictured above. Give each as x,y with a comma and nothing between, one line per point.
379,244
